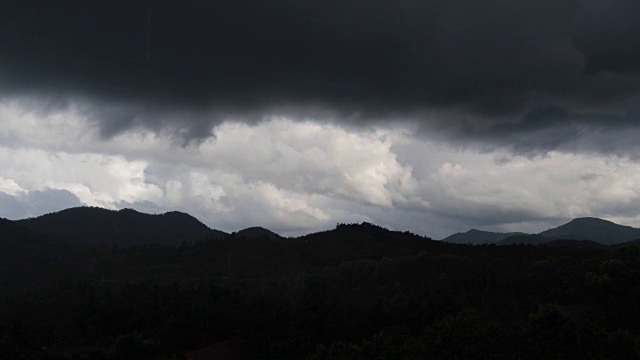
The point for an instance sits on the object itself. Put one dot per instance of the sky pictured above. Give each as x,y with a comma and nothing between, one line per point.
431,116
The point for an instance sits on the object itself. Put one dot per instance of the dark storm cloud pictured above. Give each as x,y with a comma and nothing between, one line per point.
550,128
479,64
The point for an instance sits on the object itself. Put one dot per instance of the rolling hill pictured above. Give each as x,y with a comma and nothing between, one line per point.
594,229
588,229
257,232
92,225
477,237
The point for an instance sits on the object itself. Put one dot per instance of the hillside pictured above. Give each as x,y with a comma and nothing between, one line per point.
594,229
257,232
477,237
92,225
356,241
355,291
24,254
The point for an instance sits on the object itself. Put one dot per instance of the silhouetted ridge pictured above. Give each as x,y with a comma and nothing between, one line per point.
588,228
598,230
348,242
127,227
476,237
257,232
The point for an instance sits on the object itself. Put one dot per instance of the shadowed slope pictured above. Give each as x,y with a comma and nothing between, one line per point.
589,228
25,254
594,229
91,225
257,232
477,237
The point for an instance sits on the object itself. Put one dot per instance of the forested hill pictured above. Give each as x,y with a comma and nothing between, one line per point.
476,237
358,291
92,225
594,229
589,228
257,232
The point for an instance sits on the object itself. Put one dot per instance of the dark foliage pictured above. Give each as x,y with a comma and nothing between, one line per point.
127,227
355,292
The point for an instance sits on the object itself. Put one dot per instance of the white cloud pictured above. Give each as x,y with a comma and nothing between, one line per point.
96,179
10,187
302,176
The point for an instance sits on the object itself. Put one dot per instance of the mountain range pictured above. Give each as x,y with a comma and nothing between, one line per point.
127,227
590,229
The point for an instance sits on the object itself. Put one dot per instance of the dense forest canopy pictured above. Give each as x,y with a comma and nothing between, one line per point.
357,291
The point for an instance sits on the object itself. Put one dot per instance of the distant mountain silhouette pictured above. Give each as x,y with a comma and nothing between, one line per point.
588,228
477,237
594,229
127,227
349,242
257,232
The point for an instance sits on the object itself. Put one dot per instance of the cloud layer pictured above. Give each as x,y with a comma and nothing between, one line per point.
296,177
427,115
522,75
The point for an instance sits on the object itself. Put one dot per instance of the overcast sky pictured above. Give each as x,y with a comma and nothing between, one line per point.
431,116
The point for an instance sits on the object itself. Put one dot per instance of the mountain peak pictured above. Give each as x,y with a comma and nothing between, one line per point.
129,211
126,227
590,219
257,232
594,229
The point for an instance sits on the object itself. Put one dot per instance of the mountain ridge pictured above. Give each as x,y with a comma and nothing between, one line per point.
257,232
476,237
129,227
125,227
594,229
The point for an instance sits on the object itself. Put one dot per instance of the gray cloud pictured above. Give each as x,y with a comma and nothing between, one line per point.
528,111
489,66
553,128
299,177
